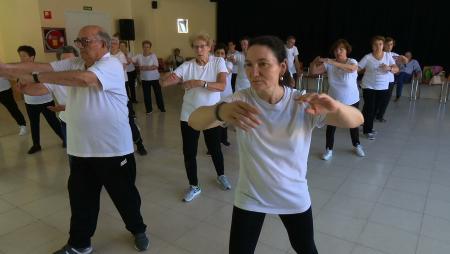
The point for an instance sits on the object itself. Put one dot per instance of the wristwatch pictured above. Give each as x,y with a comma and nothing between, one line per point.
205,85
35,75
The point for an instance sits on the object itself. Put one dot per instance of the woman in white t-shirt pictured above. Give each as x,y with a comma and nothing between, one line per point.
275,125
35,105
148,66
203,78
131,72
242,81
220,51
378,67
231,53
342,75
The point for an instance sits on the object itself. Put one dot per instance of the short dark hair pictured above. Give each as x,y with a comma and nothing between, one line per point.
220,46
27,49
290,37
274,43
66,49
231,42
377,38
147,42
246,38
388,39
339,42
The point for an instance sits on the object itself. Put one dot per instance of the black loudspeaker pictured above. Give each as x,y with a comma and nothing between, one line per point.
126,29
154,4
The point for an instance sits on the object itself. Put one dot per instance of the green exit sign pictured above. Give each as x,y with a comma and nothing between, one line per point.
87,8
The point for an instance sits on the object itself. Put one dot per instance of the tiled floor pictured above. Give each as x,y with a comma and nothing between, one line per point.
394,201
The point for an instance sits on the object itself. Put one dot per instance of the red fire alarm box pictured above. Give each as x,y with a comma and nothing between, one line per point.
47,14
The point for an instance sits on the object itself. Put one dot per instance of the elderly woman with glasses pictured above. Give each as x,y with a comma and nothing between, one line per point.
203,78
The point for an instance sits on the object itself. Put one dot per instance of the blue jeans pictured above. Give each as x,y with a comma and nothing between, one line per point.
401,78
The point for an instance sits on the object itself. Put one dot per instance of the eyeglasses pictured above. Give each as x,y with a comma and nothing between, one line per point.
199,46
83,42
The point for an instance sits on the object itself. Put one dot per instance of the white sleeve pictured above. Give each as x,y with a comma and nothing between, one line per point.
221,66
391,60
295,51
135,59
362,64
229,66
181,70
123,58
155,60
237,96
110,74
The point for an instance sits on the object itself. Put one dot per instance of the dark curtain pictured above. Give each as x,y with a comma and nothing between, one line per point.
417,26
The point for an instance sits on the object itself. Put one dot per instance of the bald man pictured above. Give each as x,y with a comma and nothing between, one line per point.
99,142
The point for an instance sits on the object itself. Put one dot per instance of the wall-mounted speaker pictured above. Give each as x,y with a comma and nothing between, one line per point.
154,4
126,29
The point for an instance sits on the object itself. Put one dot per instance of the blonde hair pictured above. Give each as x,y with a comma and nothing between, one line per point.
202,36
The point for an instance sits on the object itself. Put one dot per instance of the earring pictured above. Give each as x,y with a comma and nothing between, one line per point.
281,78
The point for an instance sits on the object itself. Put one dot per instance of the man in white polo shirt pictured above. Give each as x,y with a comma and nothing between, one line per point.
99,142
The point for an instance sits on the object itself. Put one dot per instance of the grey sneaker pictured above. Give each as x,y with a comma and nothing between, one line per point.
360,151
141,242
22,130
192,193
326,156
223,181
67,249
370,136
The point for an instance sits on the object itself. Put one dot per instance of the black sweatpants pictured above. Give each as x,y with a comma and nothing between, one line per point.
246,227
233,81
190,145
34,111
372,101
130,85
382,106
7,99
146,89
87,177
354,133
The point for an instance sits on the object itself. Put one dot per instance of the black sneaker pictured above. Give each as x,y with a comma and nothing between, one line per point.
163,110
70,250
226,143
141,149
141,242
34,149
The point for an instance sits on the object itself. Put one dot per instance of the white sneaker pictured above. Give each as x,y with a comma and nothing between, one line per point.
192,193
223,181
22,130
327,155
360,151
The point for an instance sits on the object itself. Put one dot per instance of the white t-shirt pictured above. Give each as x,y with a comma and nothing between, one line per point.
235,67
291,53
36,100
4,84
242,81
374,77
130,66
228,90
149,60
199,96
391,75
343,85
273,156
97,119
123,59
60,93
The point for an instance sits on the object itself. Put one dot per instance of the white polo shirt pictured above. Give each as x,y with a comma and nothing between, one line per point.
60,93
391,75
149,60
130,66
343,85
291,53
374,77
235,67
273,156
4,84
97,119
228,90
199,96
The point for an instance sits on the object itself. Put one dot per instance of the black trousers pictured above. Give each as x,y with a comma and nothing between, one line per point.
130,85
34,112
134,129
354,133
372,101
87,177
233,81
190,145
7,99
381,109
146,89
246,227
